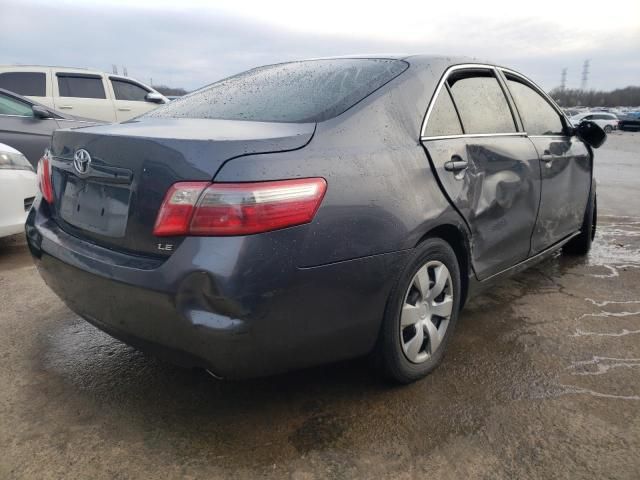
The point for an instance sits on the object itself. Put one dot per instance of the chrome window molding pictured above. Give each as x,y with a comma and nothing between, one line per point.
21,116
471,135
496,70
552,135
540,91
445,76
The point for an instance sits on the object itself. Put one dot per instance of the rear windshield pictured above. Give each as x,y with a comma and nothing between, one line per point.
307,91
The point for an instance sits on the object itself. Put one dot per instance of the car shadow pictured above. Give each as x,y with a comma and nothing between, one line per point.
90,377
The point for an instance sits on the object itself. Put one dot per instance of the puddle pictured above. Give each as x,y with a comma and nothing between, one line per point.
574,390
614,260
602,365
581,333
616,246
317,433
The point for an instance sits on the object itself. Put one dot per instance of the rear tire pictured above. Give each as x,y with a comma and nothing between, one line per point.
421,313
608,129
581,244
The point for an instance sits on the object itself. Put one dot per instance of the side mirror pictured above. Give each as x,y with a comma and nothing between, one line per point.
591,133
40,112
154,97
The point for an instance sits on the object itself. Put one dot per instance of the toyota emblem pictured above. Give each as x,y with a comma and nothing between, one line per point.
81,161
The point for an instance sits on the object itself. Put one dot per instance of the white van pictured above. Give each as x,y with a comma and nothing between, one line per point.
83,93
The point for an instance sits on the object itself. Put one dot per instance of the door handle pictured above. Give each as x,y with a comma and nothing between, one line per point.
456,164
547,158
66,107
124,109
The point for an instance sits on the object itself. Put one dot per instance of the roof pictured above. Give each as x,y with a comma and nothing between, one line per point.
20,65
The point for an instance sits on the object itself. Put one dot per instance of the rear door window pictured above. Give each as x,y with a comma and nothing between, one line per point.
538,116
80,86
307,91
481,103
32,84
443,119
124,90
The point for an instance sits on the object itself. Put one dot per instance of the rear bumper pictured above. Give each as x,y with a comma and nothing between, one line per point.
235,305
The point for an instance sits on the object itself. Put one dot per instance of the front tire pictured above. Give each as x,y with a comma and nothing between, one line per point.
421,313
581,244
608,129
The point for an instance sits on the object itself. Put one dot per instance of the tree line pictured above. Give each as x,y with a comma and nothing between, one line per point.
621,97
170,91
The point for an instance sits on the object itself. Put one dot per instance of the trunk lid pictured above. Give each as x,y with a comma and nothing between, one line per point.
115,201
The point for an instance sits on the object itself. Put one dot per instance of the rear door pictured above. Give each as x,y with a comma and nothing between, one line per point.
129,99
83,95
566,164
486,166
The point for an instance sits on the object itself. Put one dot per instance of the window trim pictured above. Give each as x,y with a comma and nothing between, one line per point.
563,117
79,75
443,81
93,76
447,91
113,78
502,80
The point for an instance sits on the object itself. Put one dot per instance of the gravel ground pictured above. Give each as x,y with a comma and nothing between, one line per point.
541,381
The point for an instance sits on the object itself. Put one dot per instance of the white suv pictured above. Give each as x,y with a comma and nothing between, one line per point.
83,93
608,121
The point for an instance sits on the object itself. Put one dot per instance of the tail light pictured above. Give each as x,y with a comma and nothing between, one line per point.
44,178
224,209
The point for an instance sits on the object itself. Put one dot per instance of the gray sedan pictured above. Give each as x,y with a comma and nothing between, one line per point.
27,125
313,211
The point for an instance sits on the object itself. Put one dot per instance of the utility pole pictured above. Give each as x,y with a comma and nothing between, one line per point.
563,79
114,68
124,71
585,75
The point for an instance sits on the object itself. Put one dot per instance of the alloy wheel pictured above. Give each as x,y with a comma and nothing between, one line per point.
426,311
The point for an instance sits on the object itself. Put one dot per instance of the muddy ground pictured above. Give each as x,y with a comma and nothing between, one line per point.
541,381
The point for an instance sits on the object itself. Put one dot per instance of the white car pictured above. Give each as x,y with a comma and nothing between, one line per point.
18,185
608,121
82,93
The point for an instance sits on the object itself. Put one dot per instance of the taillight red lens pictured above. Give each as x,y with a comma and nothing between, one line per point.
224,209
44,178
177,208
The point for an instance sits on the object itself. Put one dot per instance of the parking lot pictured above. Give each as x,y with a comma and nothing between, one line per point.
541,381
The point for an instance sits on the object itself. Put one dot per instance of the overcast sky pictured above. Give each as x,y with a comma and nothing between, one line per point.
189,43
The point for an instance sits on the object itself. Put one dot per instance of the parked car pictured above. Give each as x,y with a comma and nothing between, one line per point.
630,122
607,121
570,113
81,92
17,190
312,211
27,125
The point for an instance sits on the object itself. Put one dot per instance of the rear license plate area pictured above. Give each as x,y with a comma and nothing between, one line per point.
95,207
